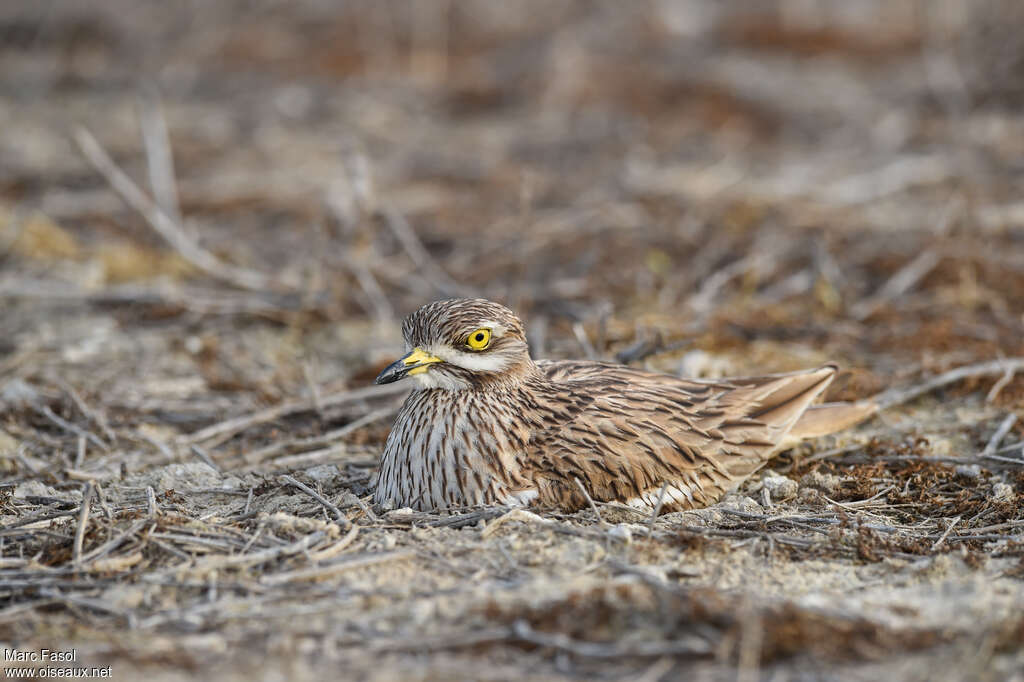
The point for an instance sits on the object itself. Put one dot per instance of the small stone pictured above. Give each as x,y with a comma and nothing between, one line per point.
323,472
17,394
400,514
780,487
32,489
621,532
124,596
1001,492
969,471
741,503
193,345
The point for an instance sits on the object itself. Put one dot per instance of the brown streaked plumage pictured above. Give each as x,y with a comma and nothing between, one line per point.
488,425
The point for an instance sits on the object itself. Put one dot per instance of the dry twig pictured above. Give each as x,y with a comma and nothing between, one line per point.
657,508
945,534
897,285
1004,428
894,397
329,438
163,225
434,273
590,501
339,517
159,159
83,520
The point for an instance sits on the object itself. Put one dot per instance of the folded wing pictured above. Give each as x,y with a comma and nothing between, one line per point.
625,433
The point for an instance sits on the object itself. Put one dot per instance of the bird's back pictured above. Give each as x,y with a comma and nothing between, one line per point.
624,433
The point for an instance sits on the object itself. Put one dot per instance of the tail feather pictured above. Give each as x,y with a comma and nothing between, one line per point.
792,396
821,420
785,416
772,406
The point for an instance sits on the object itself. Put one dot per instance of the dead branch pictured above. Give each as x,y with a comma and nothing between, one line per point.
339,517
434,273
162,224
159,159
214,563
1004,428
897,285
68,426
83,520
593,506
894,397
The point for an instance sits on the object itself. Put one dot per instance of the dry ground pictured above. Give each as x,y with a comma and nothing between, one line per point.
213,215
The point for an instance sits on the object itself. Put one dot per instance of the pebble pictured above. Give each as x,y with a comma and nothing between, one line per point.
1002,492
780,487
971,471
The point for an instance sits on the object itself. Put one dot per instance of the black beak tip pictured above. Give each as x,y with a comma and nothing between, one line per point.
391,373
385,378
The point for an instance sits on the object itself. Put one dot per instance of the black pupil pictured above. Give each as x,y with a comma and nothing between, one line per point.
479,336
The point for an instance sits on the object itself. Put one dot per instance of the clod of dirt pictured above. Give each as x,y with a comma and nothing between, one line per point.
184,476
740,503
8,444
322,473
289,523
32,489
780,487
826,483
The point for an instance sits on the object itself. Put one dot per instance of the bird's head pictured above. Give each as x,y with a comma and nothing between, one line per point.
461,343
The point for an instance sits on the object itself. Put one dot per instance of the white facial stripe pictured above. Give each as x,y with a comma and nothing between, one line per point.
474,362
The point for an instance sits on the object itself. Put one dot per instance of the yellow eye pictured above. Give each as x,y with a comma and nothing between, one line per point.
479,339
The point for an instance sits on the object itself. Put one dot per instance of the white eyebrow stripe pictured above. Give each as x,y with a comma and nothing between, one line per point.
474,362
497,328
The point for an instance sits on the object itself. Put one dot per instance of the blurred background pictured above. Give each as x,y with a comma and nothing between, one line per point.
803,176
213,216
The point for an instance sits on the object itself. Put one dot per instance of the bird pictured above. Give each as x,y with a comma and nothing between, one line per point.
487,425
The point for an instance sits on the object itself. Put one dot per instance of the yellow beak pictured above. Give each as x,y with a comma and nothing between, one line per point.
415,362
